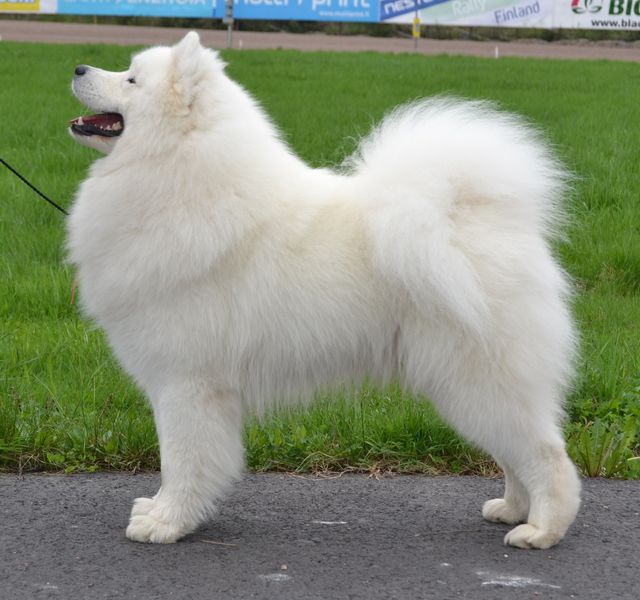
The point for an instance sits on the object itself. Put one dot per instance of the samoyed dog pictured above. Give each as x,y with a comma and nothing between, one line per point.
229,275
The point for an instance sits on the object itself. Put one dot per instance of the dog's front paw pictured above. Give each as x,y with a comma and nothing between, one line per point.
150,522
147,528
500,511
530,536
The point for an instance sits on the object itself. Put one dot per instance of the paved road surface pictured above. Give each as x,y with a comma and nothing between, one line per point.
305,538
38,31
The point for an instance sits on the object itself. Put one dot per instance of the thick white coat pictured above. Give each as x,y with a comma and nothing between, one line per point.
229,275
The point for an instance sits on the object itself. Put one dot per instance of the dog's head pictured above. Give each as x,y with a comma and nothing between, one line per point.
157,94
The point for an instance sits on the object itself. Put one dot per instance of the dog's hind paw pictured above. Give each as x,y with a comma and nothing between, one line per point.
530,536
142,506
500,511
147,528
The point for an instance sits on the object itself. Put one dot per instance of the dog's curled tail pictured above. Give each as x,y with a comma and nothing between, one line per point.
457,194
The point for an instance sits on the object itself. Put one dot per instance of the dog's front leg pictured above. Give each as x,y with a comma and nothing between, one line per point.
200,433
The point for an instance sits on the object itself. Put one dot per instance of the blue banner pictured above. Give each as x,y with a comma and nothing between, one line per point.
142,8
395,8
365,11
307,10
269,10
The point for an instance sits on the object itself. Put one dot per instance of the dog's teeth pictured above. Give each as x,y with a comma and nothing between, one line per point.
80,121
117,126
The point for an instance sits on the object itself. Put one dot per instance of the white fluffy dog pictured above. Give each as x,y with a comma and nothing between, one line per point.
228,274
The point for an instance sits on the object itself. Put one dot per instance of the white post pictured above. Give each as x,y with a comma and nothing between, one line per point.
228,20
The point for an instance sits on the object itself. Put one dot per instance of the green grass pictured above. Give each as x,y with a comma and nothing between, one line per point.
64,404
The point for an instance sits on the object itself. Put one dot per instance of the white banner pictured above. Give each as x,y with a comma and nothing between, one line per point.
543,14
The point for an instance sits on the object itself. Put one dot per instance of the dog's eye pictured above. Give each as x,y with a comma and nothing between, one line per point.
131,80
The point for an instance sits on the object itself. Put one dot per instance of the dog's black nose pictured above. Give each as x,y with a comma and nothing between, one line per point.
81,70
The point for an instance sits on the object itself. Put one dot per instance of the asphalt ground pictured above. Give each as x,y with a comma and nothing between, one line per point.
81,33
309,538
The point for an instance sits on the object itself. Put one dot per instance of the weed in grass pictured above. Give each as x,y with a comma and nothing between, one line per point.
602,449
64,403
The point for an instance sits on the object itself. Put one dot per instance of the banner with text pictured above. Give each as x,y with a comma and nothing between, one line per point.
140,8
544,14
365,11
29,6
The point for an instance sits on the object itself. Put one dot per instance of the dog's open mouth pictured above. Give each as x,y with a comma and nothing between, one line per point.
104,124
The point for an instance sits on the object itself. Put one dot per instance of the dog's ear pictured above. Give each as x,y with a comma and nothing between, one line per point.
188,64
188,45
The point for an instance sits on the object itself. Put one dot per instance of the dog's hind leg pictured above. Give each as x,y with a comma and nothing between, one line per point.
520,431
554,491
542,486
201,452
514,507
504,395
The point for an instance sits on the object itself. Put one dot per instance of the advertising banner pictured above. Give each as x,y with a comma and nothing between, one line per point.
29,6
394,8
366,11
21,5
491,13
598,14
140,8
542,14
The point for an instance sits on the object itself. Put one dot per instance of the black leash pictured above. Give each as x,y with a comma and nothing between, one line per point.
33,187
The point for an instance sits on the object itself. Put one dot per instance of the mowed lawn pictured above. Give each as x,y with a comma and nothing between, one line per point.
64,403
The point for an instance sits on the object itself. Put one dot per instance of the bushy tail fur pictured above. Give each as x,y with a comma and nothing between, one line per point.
462,182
